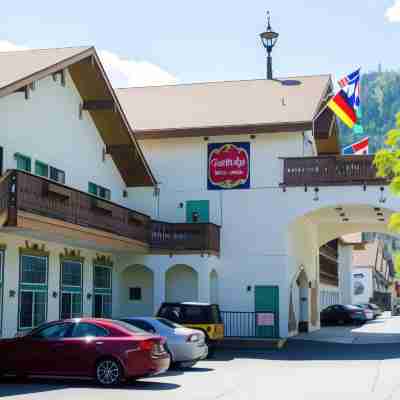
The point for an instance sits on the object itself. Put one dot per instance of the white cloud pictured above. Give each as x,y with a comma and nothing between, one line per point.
9,46
121,72
393,13
125,72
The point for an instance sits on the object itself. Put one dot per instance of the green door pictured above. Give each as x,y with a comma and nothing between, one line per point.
267,311
198,211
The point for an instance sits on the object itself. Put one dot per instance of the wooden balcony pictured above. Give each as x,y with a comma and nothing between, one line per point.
330,171
30,202
176,238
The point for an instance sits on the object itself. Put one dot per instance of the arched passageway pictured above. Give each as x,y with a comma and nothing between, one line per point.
181,284
214,287
137,291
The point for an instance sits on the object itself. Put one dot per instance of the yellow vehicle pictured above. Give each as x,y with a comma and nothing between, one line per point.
203,316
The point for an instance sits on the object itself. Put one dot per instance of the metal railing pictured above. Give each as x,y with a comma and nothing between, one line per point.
330,170
246,324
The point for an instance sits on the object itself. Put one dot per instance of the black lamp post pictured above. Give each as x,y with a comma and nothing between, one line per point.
269,39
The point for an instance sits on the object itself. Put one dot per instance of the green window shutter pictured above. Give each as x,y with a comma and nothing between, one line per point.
92,188
23,162
41,169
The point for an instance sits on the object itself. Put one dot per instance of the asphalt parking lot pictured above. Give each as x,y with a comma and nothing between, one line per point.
307,370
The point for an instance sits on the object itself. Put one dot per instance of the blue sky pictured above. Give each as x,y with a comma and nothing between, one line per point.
144,42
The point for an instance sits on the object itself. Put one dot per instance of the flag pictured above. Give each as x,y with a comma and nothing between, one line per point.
347,101
357,148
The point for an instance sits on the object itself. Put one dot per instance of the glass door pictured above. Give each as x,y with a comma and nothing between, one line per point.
71,289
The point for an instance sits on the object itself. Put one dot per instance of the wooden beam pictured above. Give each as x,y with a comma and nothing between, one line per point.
95,105
24,89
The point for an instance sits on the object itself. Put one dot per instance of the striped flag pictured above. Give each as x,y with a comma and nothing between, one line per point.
347,101
357,148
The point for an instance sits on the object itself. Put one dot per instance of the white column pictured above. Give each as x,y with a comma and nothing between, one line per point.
10,287
53,304
204,283
345,273
159,287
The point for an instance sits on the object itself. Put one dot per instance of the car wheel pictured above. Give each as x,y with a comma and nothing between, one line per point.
186,364
108,372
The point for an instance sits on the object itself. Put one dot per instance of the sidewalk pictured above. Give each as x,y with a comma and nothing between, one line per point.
385,329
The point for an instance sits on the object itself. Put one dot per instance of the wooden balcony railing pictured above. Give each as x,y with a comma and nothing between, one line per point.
22,191
330,171
197,237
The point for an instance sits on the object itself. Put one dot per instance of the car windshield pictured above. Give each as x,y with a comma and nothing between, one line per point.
130,328
169,323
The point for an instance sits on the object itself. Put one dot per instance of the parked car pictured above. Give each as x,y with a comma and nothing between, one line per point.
202,316
186,346
371,306
106,350
339,314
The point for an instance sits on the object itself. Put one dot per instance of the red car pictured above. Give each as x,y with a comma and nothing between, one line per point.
107,350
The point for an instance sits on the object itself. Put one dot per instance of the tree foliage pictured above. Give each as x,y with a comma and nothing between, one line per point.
387,163
380,100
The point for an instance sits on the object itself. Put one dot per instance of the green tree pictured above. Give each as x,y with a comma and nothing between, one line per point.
387,163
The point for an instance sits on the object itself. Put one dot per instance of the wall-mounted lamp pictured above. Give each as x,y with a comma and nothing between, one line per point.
248,288
54,294
180,205
252,136
316,196
206,138
89,296
12,293
382,198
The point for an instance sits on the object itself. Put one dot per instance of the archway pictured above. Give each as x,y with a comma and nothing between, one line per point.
137,286
214,287
181,284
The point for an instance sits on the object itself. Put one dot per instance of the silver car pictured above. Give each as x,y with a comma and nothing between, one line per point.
186,346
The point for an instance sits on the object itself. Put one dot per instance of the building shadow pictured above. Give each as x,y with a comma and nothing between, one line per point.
17,386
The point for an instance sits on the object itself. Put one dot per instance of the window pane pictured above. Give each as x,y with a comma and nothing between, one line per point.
25,312
107,306
23,162
98,306
102,192
39,315
52,332
85,330
71,273
65,305
57,175
76,305
135,293
33,269
102,277
41,169
92,188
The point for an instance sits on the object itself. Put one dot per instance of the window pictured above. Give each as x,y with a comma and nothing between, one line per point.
99,191
52,173
23,162
102,277
143,325
56,331
33,291
135,293
126,324
41,169
71,289
1,160
88,330
102,282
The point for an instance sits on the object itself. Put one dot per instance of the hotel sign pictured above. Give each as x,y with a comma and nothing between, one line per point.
228,166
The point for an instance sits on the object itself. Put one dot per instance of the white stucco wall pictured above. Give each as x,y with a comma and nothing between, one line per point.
47,128
362,278
11,279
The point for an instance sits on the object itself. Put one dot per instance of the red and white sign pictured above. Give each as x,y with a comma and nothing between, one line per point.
265,319
229,166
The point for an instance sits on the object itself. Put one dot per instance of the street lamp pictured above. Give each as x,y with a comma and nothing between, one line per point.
269,39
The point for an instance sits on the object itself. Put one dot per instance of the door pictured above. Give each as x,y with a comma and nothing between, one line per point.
197,211
267,311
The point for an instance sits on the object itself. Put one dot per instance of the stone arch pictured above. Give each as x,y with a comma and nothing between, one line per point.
181,283
137,287
214,287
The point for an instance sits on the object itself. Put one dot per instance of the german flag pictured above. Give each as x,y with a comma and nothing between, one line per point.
341,106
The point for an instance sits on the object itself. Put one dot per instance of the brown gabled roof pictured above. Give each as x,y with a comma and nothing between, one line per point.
18,69
227,107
